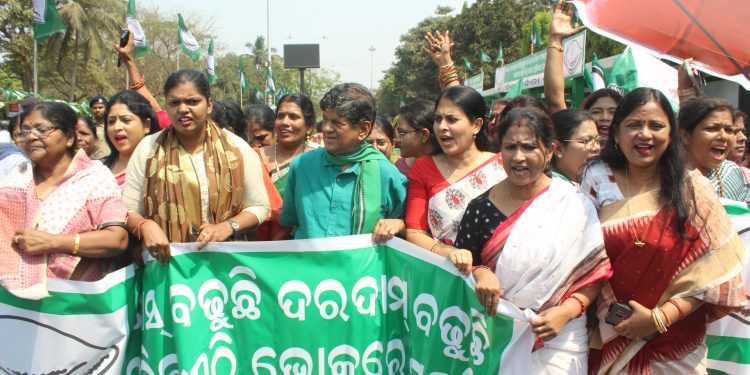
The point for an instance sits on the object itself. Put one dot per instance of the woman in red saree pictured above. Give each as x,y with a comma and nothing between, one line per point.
675,255
539,240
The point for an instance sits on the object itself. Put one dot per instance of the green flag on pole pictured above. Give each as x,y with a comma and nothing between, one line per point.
467,64
536,38
516,90
46,20
141,43
270,85
499,58
244,85
187,41
484,57
211,64
597,76
624,72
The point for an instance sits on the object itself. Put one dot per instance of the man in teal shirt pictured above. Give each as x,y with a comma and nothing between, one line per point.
348,187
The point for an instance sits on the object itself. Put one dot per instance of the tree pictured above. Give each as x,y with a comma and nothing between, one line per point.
413,75
91,27
17,41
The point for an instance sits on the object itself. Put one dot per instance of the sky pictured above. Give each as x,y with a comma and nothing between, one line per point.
344,29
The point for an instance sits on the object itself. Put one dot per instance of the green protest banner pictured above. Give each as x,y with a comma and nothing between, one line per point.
325,306
83,328
728,339
333,306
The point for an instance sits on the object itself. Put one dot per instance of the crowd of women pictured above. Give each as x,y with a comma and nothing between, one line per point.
612,209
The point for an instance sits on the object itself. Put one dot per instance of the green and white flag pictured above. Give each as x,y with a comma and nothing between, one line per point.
728,339
139,37
211,64
596,77
244,84
270,85
82,328
484,57
46,20
468,66
187,41
516,90
499,58
536,38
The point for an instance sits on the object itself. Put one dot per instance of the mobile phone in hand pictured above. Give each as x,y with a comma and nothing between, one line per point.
617,313
123,42
696,78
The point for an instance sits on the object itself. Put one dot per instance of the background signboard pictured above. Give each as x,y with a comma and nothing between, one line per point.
531,68
476,82
301,56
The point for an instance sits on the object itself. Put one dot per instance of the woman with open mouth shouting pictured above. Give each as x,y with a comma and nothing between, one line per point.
537,240
192,182
128,119
442,185
676,257
708,132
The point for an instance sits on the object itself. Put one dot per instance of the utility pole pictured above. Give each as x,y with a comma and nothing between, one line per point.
372,49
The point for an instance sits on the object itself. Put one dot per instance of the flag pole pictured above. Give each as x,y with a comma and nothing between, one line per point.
36,84
269,98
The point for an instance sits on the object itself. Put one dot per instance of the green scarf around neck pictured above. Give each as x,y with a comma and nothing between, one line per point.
367,197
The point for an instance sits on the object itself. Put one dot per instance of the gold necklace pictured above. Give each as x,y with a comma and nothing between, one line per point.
447,169
638,242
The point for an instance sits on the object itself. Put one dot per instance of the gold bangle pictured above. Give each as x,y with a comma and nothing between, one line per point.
77,244
432,249
559,48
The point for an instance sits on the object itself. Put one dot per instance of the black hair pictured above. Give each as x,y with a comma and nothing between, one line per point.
60,115
536,119
140,106
472,105
598,94
420,114
382,123
90,124
227,113
192,76
261,114
738,114
567,121
697,109
352,101
675,190
304,103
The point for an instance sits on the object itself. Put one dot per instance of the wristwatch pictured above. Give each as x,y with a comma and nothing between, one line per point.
235,228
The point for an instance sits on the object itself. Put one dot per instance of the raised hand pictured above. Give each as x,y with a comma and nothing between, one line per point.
439,47
560,26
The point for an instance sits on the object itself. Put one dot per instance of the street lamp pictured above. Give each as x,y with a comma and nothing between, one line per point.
372,49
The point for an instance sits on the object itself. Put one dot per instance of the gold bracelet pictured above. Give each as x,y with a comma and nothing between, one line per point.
559,48
76,244
432,249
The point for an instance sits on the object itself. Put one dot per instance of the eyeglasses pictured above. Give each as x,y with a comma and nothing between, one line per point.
41,132
401,134
589,144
